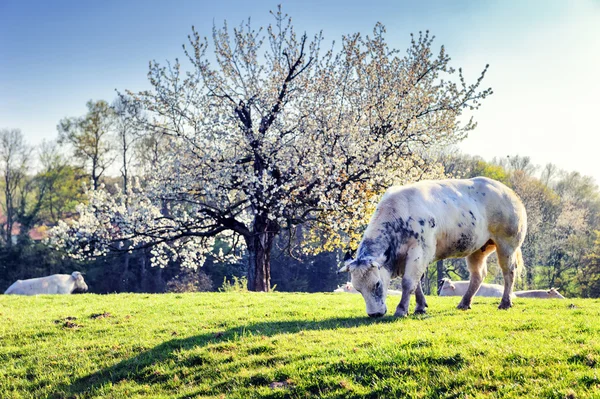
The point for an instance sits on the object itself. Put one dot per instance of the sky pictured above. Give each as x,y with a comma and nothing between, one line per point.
544,59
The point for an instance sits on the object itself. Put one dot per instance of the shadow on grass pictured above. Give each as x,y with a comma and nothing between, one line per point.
136,368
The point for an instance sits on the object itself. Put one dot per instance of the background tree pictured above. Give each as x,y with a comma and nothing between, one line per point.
90,138
14,158
126,122
279,134
589,275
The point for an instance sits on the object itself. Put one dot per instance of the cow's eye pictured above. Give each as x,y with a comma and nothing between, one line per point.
378,285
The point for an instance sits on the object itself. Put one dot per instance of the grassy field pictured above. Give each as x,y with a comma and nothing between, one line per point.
278,345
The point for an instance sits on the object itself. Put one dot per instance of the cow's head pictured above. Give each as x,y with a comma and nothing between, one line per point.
370,279
553,293
80,285
445,287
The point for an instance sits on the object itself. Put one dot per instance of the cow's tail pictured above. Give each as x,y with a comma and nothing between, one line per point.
520,265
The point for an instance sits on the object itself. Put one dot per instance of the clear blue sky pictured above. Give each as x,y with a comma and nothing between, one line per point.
544,57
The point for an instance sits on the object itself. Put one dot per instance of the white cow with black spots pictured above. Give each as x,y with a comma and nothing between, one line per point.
419,223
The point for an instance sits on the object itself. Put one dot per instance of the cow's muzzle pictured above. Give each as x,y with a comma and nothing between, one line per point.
379,314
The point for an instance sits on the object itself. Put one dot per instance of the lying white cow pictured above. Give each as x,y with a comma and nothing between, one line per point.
417,224
55,284
459,288
543,294
348,288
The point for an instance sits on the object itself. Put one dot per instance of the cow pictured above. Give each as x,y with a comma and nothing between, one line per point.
348,288
543,294
54,284
448,287
419,223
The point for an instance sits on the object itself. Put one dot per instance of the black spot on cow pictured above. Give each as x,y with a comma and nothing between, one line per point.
445,202
388,254
378,292
483,194
464,242
432,222
367,247
460,225
421,222
472,215
472,223
393,234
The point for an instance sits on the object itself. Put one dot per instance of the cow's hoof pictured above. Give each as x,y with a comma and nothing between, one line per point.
505,305
400,313
420,311
462,306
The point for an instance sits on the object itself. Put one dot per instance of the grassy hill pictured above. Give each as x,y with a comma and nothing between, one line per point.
249,345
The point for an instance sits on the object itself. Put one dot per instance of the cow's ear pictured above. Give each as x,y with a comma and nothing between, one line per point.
452,286
348,266
76,275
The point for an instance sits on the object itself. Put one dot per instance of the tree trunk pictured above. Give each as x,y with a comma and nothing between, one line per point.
125,274
159,284
143,273
259,246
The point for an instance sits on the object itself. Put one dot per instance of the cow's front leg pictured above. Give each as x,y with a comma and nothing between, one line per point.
408,287
421,302
413,271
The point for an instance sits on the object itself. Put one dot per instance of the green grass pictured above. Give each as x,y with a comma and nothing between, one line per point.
278,345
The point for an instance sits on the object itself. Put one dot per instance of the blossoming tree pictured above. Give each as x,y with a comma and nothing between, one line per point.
272,131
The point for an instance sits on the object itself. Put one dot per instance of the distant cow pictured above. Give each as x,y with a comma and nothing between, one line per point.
55,284
448,287
543,294
419,223
348,288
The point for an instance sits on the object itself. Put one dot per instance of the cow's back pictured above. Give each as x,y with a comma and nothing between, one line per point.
542,294
456,216
54,284
460,288
490,290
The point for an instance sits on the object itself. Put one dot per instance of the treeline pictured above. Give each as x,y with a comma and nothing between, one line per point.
563,217
43,185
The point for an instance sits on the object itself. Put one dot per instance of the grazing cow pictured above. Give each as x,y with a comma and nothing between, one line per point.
55,284
417,224
459,288
351,290
542,294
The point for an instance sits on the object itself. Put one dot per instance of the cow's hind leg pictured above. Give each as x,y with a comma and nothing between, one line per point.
509,259
476,262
